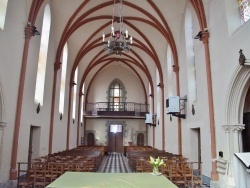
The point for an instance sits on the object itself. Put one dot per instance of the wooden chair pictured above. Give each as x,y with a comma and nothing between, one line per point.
24,178
140,163
39,174
196,180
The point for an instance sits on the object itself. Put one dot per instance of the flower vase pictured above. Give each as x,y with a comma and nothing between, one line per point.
155,170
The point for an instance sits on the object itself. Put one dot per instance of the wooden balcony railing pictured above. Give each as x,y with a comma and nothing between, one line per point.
115,109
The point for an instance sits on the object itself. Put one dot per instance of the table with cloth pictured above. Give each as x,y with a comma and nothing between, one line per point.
116,180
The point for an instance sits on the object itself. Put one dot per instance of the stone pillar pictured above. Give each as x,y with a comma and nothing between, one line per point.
57,66
233,145
237,129
28,34
205,39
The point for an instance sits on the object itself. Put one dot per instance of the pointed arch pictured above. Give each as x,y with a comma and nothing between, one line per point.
116,94
236,95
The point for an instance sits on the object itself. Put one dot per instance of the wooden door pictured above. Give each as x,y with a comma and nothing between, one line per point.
115,142
140,139
246,133
90,139
30,145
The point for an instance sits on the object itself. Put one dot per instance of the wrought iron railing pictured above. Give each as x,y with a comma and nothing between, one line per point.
98,107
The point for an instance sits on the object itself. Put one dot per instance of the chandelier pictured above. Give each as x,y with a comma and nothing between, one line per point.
119,40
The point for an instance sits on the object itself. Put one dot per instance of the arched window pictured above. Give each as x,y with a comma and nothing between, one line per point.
74,94
63,78
190,57
3,8
116,95
244,7
41,69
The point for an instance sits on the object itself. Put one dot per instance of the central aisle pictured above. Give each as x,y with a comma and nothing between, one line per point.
114,163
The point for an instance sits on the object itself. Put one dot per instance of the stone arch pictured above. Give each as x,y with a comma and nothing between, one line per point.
236,96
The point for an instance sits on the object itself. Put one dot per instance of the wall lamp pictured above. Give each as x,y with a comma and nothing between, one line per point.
160,85
35,31
199,35
73,83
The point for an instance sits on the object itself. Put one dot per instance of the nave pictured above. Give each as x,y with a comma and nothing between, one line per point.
114,163
44,170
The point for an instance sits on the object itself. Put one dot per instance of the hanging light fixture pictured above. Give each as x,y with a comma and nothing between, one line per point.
119,40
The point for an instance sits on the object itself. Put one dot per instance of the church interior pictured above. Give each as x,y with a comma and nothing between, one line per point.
147,91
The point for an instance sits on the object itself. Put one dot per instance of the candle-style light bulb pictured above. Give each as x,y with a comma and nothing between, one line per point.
112,30
131,40
126,32
103,37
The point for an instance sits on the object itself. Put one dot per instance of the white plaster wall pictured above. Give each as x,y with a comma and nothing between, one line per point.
100,128
226,38
99,87
11,49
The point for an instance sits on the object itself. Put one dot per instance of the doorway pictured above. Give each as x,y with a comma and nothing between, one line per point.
34,143
195,140
246,133
140,139
115,138
90,139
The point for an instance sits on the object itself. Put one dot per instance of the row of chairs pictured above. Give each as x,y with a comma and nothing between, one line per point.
183,174
176,167
44,170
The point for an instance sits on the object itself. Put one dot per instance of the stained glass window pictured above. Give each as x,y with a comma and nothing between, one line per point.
244,7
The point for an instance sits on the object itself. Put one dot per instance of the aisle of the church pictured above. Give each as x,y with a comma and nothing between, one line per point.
114,163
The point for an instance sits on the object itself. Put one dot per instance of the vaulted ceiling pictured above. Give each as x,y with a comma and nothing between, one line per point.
154,24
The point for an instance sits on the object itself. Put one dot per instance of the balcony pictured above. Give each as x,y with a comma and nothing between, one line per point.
129,110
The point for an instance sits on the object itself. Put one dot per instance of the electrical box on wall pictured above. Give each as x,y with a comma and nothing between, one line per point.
149,119
173,104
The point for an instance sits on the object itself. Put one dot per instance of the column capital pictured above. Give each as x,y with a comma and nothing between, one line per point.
2,124
204,37
235,128
227,128
238,128
28,31
57,66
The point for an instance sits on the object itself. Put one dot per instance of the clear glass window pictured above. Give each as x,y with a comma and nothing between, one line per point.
41,69
3,8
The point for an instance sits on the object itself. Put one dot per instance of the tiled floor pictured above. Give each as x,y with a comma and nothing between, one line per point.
114,163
